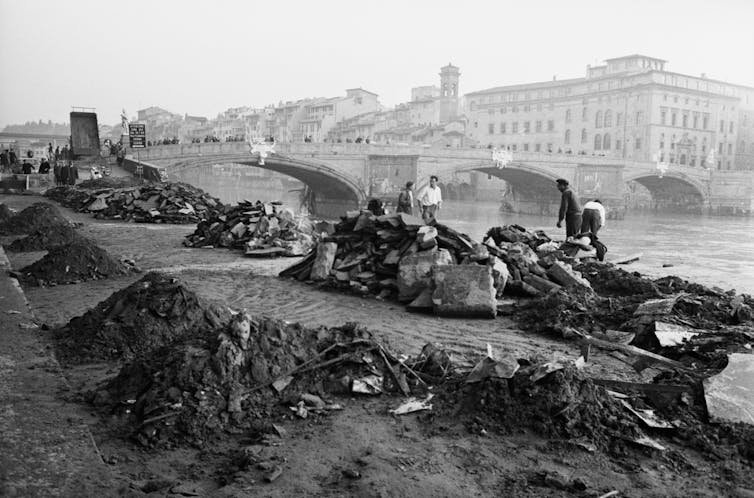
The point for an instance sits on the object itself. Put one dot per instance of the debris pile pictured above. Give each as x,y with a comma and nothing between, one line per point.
553,399
72,263
261,229
154,312
38,216
111,182
248,372
165,202
45,239
434,267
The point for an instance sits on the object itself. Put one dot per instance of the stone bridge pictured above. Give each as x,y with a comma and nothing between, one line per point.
343,176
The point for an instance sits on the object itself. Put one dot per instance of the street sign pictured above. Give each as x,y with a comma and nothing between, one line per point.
137,136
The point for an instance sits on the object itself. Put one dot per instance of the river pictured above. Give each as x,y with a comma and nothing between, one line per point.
711,250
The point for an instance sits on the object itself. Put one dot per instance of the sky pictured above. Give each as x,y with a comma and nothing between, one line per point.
202,57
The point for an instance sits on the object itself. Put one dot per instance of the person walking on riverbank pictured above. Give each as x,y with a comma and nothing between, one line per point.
406,199
593,217
570,208
430,201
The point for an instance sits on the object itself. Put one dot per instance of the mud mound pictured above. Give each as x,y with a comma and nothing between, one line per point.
5,213
38,216
558,312
217,382
610,281
71,263
562,404
154,312
111,182
43,240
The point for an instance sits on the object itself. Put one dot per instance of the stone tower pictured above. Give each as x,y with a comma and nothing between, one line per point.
449,76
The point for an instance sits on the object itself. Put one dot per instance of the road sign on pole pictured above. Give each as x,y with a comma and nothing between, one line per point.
137,136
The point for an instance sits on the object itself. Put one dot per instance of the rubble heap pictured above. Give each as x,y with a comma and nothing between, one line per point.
5,213
152,313
397,256
72,263
45,239
260,229
38,216
165,202
246,373
563,403
111,182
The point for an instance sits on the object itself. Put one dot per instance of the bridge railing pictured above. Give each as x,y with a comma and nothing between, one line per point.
363,149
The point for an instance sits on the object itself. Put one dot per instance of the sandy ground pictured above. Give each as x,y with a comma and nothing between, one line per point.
394,456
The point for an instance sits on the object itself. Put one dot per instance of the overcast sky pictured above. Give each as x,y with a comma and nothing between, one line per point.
201,57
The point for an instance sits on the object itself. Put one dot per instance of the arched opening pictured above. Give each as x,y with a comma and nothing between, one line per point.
606,142
327,192
597,142
666,193
608,118
529,191
598,119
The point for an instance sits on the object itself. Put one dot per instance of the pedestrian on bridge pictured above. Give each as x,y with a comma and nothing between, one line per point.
570,208
430,201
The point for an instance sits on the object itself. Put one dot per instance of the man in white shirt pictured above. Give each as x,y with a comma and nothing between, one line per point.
592,217
430,201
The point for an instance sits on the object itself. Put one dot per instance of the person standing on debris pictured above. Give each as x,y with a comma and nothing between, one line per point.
570,208
430,201
593,217
406,199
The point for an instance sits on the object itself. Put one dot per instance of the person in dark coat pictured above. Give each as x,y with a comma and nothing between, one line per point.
73,174
56,171
64,169
44,167
570,208
26,168
57,152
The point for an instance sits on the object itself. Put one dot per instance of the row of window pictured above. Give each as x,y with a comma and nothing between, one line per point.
684,123
526,127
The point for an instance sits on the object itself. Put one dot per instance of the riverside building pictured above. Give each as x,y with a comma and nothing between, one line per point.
631,107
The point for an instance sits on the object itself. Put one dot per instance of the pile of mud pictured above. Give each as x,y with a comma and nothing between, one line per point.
246,375
610,281
111,182
75,262
45,239
563,404
5,213
38,216
152,313
559,312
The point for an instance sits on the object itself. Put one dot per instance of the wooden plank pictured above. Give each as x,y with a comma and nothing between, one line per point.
633,350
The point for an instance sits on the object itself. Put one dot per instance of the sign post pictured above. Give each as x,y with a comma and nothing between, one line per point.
137,138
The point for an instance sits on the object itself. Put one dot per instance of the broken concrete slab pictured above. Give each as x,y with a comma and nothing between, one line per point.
670,334
500,274
729,394
565,275
541,284
464,290
324,260
414,272
655,307
423,301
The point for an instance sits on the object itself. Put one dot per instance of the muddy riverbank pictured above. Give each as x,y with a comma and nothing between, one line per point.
361,449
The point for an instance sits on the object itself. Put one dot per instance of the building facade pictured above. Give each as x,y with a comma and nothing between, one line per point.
631,107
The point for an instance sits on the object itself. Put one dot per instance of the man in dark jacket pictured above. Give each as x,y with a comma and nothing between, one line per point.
570,208
44,167
26,168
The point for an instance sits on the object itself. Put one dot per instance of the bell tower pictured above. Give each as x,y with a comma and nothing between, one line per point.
449,76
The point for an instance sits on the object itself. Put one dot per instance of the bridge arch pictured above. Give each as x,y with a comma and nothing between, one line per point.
672,189
334,191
